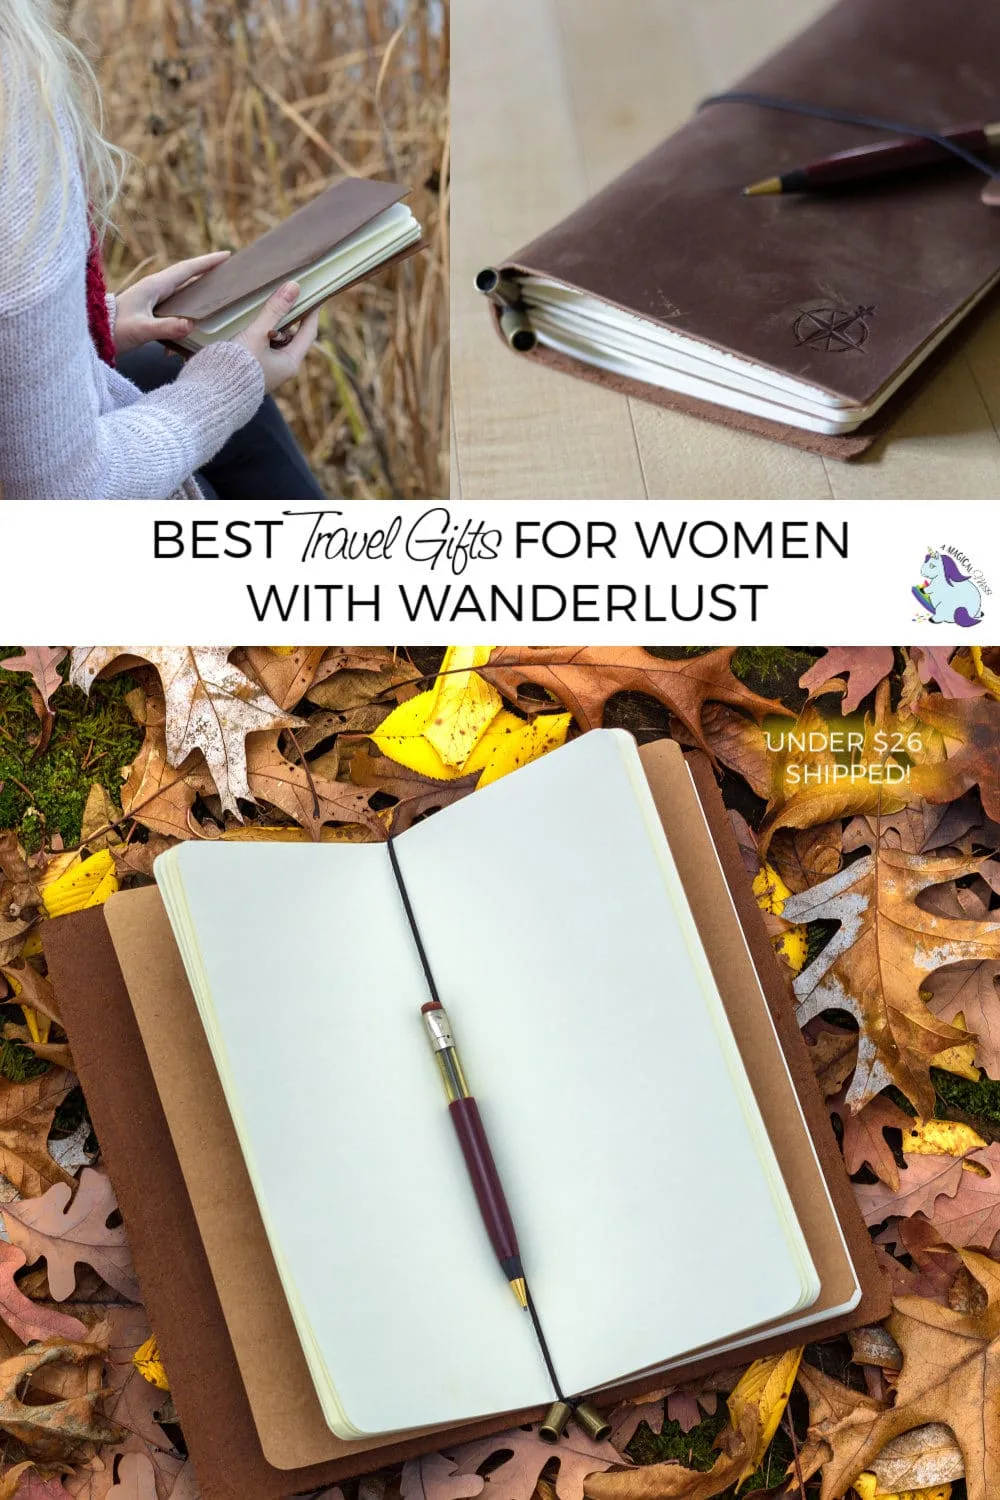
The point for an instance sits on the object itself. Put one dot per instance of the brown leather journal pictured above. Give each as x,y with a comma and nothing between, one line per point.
805,318
297,245
244,1397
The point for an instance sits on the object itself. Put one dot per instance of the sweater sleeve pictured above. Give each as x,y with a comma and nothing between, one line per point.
70,428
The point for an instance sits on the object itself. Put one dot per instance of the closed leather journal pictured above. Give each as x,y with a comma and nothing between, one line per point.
805,318
286,1378
346,234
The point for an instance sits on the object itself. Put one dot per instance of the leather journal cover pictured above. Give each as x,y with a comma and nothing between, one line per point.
288,248
838,289
244,1396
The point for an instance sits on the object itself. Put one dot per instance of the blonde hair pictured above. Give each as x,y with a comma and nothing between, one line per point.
44,67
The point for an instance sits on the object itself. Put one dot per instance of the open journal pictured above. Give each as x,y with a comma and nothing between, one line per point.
802,316
589,1020
343,236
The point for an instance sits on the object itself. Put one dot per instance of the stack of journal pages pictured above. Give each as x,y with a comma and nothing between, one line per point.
800,316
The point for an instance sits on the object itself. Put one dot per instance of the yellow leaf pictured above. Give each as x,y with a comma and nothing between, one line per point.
509,742
941,1138
147,1361
436,732
960,1059
38,1025
282,650
464,705
766,1386
867,1488
78,883
989,680
772,893
401,737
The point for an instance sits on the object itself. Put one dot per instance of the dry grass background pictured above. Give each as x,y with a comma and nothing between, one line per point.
235,113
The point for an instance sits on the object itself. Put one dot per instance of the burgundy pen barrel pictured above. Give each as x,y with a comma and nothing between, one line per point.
889,156
485,1181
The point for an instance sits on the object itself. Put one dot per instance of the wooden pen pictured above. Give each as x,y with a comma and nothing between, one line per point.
880,159
479,1161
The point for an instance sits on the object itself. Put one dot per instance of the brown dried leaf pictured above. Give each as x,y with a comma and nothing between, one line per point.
158,795
26,1111
276,780
864,1142
833,1054
877,962
284,676
28,1319
434,1477
583,678
805,856
951,1365
516,1476
863,666
211,706
416,794
922,1182
934,665
970,989
100,817
58,1430
67,1232
41,662
975,724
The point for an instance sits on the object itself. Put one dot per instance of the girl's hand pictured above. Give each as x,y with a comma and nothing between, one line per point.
279,364
135,323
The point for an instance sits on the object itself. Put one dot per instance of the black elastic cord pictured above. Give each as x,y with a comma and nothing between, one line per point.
432,987
425,963
849,117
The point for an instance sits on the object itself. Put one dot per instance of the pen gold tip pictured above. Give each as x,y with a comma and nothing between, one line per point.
519,1287
765,189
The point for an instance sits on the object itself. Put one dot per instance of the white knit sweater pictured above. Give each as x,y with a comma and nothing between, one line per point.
71,428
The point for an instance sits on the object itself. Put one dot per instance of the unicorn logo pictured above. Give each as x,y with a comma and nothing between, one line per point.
948,595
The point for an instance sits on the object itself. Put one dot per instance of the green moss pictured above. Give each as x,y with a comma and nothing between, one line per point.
92,739
19,1063
774,671
693,1449
980,1099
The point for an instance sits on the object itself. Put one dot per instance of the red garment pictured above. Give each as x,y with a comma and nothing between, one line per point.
97,308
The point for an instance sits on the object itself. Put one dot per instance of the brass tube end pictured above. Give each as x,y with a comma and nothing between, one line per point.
556,1420
519,1287
764,189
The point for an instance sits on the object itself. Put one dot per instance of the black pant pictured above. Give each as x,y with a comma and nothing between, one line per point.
262,461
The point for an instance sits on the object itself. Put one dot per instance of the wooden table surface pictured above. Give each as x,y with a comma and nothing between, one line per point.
550,100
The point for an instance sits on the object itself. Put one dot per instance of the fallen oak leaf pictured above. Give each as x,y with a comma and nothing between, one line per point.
517,1475
970,989
924,1180
951,1365
434,1477
41,663
864,1142
875,964
310,800
57,1430
23,1482
211,706
416,795
863,666
285,677
583,678
29,1320
934,664
975,724
66,1233
26,1113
